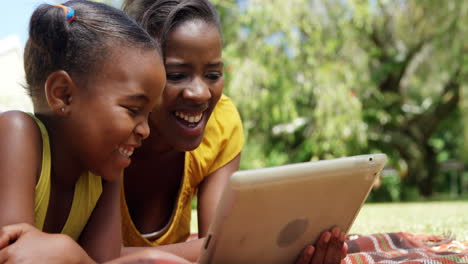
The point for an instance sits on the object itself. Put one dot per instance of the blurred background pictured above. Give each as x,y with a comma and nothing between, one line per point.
319,79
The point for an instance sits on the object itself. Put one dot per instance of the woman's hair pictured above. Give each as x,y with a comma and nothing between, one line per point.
79,45
160,17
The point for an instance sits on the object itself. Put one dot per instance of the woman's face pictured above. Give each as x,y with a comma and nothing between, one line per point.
194,72
109,117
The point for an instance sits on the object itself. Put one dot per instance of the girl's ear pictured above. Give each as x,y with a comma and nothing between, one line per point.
59,91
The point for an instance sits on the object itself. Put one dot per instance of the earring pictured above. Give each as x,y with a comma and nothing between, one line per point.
62,109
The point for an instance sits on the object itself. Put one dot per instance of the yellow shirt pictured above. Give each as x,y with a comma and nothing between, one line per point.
222,142
88,189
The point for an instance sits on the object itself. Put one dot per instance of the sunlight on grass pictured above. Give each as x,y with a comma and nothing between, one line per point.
437,218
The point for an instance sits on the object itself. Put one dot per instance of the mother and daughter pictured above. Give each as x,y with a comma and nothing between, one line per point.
100,83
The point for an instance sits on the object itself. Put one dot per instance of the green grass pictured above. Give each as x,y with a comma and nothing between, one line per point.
437,218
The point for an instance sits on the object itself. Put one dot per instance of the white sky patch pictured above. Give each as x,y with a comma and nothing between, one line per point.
12,95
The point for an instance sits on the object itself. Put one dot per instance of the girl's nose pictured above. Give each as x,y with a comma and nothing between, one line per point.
142,129
198,91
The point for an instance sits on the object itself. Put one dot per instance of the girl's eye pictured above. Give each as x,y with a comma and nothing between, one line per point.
133,110
213,76
175,76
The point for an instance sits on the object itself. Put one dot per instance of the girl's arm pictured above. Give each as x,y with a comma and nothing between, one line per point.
23,243
101,237
20,165
149,255
189,250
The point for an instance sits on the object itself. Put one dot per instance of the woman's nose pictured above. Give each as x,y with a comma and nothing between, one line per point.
198,90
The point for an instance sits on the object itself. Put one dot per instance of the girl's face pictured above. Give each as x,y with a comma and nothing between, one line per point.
109,115
194,72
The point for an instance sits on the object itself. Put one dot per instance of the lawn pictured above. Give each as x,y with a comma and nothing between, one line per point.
439,218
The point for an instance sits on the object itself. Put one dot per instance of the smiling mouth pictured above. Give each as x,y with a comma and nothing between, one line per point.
189,119
126,151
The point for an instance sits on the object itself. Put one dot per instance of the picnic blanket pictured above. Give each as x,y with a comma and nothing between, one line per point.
405,248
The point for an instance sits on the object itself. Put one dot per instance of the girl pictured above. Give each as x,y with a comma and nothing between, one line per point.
94,76
199,145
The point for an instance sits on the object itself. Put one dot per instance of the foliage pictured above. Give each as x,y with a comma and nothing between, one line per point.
333,78
317,79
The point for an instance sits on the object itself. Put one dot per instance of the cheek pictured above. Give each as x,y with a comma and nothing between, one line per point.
115,125
218,89
170,92
153,118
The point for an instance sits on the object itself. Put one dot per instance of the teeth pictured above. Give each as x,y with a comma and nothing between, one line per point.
190,118
125,152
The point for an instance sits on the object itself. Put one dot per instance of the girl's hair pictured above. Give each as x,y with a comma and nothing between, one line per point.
160,17
80,46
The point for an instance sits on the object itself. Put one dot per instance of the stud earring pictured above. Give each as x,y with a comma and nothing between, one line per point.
62,109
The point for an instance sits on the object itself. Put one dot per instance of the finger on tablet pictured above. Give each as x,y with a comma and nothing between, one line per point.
306,255
321,248
334,252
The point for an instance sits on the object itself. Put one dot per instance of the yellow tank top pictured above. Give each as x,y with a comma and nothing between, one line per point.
88,189
222,142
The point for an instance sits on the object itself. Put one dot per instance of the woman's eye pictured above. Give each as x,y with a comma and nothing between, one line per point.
175,76
213,76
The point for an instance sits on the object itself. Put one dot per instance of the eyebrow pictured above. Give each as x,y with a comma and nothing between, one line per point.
138,97
181,64
215,64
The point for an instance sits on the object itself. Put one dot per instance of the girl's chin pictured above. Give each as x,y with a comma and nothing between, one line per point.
111,176
114,170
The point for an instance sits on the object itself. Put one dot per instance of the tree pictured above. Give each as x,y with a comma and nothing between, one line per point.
319,79
416,63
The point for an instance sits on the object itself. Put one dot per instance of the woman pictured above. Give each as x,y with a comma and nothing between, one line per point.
196,133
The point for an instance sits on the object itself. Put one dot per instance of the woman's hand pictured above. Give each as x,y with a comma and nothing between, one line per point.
23,243
329,249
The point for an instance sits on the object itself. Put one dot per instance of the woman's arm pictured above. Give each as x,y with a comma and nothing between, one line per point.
101,238
209,194
329,249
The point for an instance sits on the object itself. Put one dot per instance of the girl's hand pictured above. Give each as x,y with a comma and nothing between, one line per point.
329,249
23,243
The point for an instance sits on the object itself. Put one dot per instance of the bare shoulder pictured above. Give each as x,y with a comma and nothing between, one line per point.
20,165
19,126
20,137
16,120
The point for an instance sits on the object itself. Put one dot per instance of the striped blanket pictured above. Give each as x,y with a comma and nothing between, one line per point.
405,248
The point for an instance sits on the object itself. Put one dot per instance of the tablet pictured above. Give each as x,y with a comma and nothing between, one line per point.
269,215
